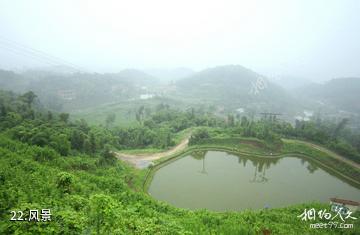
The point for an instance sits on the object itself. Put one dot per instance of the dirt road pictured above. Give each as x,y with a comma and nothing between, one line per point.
144,160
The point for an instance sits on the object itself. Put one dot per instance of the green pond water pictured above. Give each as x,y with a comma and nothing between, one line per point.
220,181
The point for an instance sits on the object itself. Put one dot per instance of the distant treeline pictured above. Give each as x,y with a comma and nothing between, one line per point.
50,162
23,119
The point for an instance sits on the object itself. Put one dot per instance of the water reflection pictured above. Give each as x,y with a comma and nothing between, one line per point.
311,166
259,178
260,164
200,155
224,181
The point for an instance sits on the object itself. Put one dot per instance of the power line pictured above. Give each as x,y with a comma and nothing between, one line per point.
23,54
35,53
38,53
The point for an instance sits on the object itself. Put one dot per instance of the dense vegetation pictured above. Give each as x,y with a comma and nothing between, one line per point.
69,91
48,161
234,86
226,88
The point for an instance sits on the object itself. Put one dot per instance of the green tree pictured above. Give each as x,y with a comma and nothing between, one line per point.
92,143
198,135
244,121
28,98
64,117
110,119
340,126
61,144
103,213
107,157
231,120
77,140
49,116
64,182
2,110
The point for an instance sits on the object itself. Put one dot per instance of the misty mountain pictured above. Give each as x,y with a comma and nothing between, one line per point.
229,88
234,86
56,69
10,80
341,93
290,82
136,77
169,75
66,92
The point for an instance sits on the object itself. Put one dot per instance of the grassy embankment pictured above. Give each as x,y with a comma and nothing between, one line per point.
179,136
255,147
109,200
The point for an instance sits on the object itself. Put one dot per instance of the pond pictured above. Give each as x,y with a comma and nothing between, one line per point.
220,181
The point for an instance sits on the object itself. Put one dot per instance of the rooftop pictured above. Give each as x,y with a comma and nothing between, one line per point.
344,201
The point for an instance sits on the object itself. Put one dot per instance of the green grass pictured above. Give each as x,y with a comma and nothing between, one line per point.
180,136
97,115
124,111
323,157
250,145
111,197
142,151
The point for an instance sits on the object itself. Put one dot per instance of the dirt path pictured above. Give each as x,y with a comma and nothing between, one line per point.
144,160
330,153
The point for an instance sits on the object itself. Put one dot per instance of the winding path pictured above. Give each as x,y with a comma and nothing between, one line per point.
327,151
144,160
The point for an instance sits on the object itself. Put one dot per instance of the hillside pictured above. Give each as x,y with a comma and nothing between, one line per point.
234,86
340,93
50,162
136,77
68,92
291,82
169,75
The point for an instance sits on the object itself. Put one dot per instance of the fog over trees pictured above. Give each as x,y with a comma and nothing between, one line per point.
102,100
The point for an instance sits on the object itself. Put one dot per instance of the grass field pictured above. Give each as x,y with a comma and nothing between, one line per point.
124,111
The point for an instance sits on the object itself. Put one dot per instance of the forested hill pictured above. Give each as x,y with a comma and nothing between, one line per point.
68,92
237,87
49,162
341,93
226,88
136,77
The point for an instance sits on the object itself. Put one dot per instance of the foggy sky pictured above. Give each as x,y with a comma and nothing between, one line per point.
311,39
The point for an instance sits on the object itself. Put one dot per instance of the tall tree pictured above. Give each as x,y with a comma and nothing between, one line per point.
92,143
110,119
340,126
28,98
64,117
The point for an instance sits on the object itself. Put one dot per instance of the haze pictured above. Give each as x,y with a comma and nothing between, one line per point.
317,40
